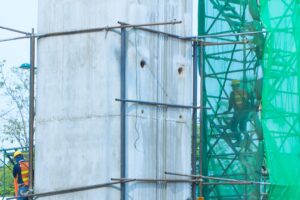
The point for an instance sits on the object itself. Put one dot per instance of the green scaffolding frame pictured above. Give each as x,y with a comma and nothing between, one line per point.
6,167
220,156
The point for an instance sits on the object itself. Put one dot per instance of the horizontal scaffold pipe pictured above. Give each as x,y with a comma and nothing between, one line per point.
197,181
149,103
14,30
14,38
223,35
126,180
14,148
162,181
141,27
106,28
228,180
72,190
221,43
155,31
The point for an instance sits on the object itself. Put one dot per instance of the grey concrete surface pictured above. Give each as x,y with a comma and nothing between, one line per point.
77,119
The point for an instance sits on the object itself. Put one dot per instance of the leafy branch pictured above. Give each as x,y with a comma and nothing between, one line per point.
14,87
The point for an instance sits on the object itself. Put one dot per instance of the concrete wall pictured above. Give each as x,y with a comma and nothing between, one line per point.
78,79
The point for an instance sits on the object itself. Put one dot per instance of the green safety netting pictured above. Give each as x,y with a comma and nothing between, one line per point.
232,138
281,89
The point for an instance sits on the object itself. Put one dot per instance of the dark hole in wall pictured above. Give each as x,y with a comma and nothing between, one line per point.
143,63
180,70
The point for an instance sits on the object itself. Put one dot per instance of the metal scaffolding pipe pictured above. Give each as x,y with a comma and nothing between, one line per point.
14,30
193,181
194,130
232,71
123,112
149,103
222,43
217,178
14,38
155,31
31,108
223,35
202,148
149,180
127,180
106,28
72,190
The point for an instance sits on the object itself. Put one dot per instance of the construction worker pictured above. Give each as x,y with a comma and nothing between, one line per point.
20,173
239,101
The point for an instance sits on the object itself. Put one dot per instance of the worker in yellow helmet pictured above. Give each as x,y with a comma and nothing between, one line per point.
239,101
21,175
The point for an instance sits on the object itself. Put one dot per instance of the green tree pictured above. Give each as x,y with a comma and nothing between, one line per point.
6,181
14,88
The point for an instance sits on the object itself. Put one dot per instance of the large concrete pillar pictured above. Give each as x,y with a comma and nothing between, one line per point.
77,118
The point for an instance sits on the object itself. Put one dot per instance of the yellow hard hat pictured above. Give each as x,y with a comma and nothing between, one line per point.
235,82
17,153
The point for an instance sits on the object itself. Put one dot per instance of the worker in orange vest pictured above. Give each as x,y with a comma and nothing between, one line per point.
21,175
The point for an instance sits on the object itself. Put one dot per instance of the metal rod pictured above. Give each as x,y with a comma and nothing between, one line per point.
120,180
235,183
201,31
4,176
107,28
154,31
72,190
15,148
194,133
149,103
5,165
194,181
139,26
9,158
14,30
31,109
217,178
189,38
202,122
123,112
232,71
155,180
14,38
224,35
223,43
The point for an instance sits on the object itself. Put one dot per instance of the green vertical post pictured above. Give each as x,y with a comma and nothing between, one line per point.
203,143
4,175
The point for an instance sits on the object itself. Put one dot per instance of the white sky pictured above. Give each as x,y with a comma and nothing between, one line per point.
17,14
21,15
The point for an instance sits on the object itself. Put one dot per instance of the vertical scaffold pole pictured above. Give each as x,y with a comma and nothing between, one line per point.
202,135
31,108
4,175
203,142
194,134
123,111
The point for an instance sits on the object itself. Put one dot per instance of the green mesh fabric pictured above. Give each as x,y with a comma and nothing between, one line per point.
281,89
231,151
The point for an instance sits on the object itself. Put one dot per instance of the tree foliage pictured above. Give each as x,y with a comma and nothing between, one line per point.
14,90
6,181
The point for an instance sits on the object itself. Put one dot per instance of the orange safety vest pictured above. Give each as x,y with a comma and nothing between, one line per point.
25,172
